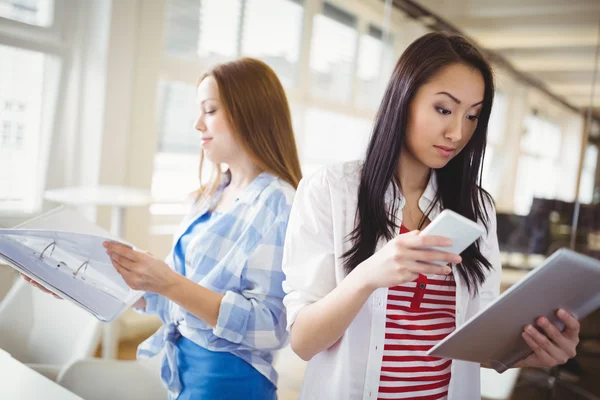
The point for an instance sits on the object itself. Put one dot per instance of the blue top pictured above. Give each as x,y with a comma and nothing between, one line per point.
196,228
238,254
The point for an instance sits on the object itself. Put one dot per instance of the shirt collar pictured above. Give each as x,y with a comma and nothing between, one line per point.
248,196
426,198
250,192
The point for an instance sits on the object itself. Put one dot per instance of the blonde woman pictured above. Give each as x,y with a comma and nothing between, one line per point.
219,292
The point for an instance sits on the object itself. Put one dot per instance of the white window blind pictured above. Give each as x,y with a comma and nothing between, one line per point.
203,28
216,31
373,61
332,53
219,29
272,32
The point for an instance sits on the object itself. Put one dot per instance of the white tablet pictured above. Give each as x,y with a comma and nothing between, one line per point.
493,336
461,230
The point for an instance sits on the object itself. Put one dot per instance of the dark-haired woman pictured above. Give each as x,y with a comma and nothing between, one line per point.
364,301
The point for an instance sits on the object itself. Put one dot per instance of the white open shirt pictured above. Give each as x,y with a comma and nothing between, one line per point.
322,217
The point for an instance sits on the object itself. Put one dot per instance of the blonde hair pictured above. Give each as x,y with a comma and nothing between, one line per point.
257,110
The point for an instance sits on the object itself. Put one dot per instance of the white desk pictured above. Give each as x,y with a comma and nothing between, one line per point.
20,382
119,199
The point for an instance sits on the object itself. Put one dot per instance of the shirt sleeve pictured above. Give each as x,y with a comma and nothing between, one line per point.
308,256
254,318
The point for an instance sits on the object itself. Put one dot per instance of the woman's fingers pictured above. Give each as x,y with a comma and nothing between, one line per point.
418,267
538,349
122,249
433,255
572,325
123,262
417,241
40,287
129,277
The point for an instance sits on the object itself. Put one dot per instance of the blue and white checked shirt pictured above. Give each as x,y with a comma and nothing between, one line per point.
238,255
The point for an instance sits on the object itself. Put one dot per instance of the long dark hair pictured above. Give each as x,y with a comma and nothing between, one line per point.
459,182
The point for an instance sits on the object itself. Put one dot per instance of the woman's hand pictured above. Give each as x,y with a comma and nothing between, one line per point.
555,347
40,287
141,270
402,259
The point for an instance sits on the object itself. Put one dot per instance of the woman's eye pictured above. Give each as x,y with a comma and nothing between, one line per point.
442,111
210,111
473,117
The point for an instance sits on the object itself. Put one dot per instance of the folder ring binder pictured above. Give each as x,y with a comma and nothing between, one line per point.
63,252
82,268
53,245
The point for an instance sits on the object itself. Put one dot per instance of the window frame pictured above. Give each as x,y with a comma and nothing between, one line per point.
50,41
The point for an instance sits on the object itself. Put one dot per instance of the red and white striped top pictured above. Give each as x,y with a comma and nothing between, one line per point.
419,314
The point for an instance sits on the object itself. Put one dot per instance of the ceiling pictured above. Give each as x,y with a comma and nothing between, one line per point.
554,41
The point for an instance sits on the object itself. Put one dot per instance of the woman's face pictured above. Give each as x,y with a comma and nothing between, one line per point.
218,141
443,115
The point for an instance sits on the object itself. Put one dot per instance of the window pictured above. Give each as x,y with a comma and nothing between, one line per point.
178,112
200,33
32,12
206,28
220,30
175,177
176,163
332,54
538,165
5,134
30,72
588,175
214,31
19,134
493,162
374,56
6,127
323,133
272,32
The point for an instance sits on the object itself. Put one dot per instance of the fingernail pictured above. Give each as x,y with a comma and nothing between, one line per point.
447,270
530,329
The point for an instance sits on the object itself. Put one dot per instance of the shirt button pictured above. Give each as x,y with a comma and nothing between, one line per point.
421,285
